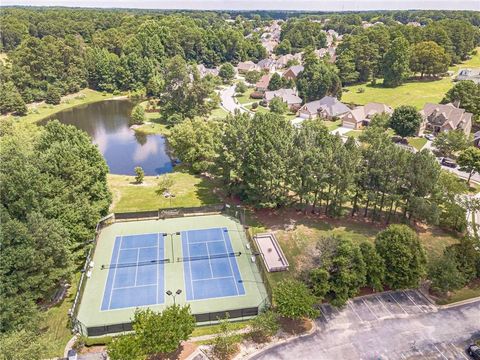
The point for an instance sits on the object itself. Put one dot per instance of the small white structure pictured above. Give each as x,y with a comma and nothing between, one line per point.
272,254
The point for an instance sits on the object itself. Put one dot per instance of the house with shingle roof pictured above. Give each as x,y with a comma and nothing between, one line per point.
288,96
246,66
469,74
439,118
262,84
361,115
292,72
327,107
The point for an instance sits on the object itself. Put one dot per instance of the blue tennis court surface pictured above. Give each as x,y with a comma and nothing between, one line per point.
135,277
212,277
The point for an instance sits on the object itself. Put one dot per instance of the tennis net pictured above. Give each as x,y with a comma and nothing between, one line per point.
208,257
140,263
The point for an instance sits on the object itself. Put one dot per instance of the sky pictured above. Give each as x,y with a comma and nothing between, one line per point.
313,5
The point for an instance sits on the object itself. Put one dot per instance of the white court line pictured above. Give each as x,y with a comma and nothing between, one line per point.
215,278
209,261
414,303
115,273
376,317
351,307
398,303
439,351
381,302
229,261
136,267
190,265
139,247
460,351
132,287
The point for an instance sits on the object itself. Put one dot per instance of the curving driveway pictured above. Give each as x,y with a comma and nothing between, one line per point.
392,325
228,101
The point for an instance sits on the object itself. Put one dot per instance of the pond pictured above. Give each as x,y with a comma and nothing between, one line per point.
123,148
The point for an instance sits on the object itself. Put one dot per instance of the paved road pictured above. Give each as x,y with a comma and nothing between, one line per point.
462,174
395,325
226,97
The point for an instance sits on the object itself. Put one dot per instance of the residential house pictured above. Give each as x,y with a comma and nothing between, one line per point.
269,45
283,60
288,96
328,107
204,71
262,84
469,74
268,65
438,118
292,72
361,115
246,66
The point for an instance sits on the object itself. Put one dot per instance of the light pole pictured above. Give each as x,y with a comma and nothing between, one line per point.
171,241
169,293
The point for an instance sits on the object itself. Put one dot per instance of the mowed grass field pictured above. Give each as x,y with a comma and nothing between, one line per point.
189,190
415,93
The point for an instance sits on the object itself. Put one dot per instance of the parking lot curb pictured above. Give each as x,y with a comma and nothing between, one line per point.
459,303
311,332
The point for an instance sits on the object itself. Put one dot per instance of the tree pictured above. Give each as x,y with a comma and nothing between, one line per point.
283,48
346,65
23,344
195,142
253,76
11,100
318,280
125,347
450,142
164,185
293,300
224,344
275,82
137,116
467,95
403,255
53,95
395,63
317,80
429,58
140,174
405,121
264,326
227,72
445,274
241,87
469,161
161,333
375,267
154,86
278,106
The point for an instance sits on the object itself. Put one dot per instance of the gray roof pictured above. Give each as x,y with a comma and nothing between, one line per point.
469,74
296,69
330,105
287,95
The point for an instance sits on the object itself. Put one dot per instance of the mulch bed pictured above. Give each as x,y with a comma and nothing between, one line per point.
295,327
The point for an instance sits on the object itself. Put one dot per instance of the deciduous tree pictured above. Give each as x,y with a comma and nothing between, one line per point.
469,161
428,58
293,300
396,63
405,120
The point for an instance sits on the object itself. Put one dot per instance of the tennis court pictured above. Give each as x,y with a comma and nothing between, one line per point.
210,265
135,273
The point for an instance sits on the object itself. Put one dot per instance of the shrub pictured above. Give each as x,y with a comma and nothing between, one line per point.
264,326
140,174
294,300
254,105
137,116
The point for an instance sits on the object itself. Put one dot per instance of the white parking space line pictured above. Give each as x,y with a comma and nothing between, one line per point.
381,302
403,356
401,307
460,351
414,303
376,317
351,308
435,346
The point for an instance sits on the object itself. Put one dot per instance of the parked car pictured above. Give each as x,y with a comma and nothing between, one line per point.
72,355
430,137
448,162
474,351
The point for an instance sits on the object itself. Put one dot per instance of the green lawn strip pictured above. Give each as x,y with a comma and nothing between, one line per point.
238,338
417,142
332,125
56,322
85,96
218,113
354,133
245,97
466,293
189,190
214,329
415,93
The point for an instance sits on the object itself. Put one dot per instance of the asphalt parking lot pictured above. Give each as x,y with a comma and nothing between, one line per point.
386,326
378,306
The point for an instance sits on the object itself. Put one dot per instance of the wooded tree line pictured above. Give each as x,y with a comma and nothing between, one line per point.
268,163
53,190
395,52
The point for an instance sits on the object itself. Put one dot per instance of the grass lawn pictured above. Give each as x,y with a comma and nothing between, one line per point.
189,190
354,133
85,96
218,113
299,244
467,292
417,142
332,125
245,97
56,322
415,93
